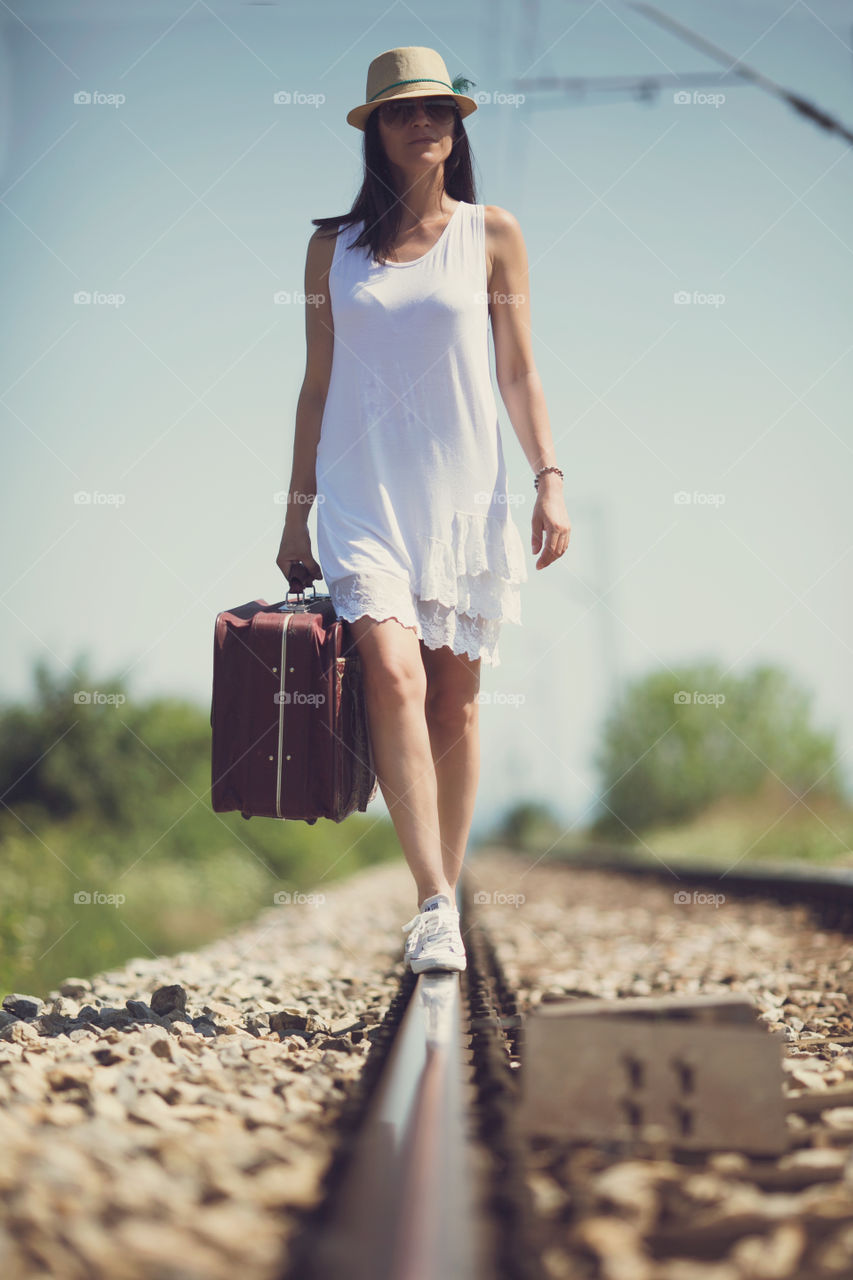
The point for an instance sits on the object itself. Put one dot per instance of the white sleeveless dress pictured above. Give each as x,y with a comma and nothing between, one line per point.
413,517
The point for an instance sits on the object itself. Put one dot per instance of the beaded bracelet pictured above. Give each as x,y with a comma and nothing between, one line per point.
542,472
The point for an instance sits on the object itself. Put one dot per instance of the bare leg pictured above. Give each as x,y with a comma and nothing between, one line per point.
452,710
395,692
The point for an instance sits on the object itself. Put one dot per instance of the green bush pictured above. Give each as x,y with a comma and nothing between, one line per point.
665,756
527,825
113,798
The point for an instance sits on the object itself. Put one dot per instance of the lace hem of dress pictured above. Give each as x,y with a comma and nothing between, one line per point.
467,587
381,597
479,570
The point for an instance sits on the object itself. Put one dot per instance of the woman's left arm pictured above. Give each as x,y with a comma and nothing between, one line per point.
518,379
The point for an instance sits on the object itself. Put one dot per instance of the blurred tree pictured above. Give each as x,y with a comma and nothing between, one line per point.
102,792
528,824
83,747
675,743
131,778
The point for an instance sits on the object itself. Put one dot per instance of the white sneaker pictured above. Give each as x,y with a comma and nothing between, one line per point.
433,940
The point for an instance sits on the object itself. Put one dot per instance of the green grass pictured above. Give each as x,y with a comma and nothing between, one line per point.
770,826
178,894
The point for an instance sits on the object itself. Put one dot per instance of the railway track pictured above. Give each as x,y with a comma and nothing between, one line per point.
428,1180
433,1176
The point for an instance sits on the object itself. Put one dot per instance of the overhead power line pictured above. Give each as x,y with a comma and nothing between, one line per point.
644,86
734,66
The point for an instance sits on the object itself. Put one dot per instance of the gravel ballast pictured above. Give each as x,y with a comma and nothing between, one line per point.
172,1118
562,932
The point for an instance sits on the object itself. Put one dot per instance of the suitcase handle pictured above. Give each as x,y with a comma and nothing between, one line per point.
299,591
298,573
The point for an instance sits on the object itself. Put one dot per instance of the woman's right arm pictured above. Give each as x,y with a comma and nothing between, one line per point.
319,342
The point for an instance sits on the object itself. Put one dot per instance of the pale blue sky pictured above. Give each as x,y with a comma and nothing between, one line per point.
193,199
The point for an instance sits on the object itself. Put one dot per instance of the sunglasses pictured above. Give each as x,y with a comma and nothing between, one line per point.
400,112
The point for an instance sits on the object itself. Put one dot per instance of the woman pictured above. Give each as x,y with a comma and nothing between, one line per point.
397,436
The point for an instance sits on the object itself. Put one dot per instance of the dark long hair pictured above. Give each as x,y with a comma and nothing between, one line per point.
377,204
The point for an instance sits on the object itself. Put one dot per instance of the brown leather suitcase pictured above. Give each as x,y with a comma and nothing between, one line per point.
290,736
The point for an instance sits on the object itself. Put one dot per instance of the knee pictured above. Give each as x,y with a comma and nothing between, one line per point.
393,679
392,669
452,707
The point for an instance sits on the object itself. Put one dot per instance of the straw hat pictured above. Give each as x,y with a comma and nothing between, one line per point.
410,72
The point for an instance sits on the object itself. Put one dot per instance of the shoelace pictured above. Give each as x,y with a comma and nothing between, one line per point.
437,925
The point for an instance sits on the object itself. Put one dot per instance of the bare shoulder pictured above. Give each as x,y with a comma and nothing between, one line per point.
500,221
321,249
319,324
504,241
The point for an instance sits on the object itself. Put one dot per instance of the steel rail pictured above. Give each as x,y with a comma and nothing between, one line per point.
826,889
406,1206
412,1202
405,1210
